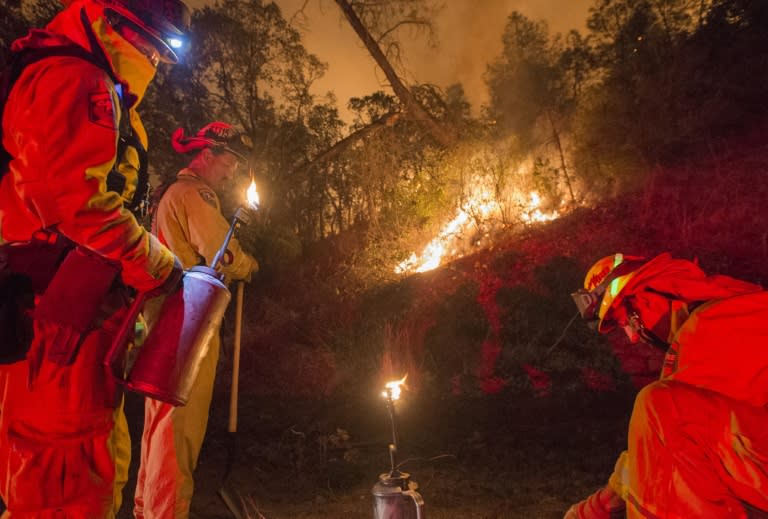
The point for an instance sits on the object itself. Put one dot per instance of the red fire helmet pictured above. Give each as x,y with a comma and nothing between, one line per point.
165,23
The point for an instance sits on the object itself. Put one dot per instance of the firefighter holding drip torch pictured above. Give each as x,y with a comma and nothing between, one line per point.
187,218
73,168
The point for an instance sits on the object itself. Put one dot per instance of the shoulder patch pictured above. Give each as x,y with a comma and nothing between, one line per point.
100,109
208,197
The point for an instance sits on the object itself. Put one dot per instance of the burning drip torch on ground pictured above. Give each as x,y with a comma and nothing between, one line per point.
395,495
169,360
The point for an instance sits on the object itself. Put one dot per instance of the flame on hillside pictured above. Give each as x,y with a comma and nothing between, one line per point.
479,208
533,213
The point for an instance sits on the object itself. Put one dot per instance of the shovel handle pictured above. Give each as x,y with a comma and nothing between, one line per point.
236,357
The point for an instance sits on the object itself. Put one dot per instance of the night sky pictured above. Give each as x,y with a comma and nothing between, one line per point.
468,33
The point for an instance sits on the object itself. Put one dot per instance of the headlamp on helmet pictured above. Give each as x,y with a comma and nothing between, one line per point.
164,23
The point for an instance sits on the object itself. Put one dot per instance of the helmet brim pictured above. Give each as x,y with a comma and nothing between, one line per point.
158,29
625,285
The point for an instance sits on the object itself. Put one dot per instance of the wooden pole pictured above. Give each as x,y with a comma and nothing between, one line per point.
236,357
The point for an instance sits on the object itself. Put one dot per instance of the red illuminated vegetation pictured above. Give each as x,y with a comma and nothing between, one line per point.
512,410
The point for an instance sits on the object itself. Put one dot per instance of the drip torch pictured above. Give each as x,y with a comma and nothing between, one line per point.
184,324
394,494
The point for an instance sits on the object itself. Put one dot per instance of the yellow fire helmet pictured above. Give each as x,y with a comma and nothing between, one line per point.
603,284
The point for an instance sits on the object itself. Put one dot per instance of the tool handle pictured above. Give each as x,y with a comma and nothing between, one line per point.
236,357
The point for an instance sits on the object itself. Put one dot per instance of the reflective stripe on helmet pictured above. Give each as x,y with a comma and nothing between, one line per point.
603,285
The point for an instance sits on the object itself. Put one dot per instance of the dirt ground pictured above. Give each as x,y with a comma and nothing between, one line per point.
489,457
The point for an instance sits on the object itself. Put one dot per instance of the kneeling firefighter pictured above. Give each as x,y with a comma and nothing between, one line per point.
71,251
698,443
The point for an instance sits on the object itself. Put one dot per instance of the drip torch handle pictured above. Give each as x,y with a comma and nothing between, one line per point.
240,217
418,501
114,356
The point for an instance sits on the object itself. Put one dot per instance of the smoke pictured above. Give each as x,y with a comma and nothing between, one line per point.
468,36
470,33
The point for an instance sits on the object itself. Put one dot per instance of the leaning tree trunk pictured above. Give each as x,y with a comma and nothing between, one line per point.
559,144
441,134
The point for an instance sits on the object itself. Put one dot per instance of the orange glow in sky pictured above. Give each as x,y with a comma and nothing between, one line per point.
468,33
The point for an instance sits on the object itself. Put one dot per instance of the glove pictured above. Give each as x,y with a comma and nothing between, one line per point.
603,504
247,215
171,283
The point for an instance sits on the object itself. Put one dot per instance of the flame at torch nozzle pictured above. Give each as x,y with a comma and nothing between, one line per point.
253,195
393,390
392,393
241,217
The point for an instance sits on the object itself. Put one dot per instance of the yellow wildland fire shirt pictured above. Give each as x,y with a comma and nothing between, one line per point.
188,220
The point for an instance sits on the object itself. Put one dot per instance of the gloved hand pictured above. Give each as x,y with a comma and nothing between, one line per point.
170,284
603,504
247,215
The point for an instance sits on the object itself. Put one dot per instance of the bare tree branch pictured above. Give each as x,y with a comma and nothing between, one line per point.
334,151
402,23
443,135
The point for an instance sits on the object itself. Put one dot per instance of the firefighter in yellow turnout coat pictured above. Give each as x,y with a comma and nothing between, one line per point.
188,220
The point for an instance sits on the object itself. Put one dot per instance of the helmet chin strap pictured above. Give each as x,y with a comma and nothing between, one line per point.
646,335
135,36
96,49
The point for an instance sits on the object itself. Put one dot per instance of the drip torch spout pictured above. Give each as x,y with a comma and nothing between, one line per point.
392,446
394,494
241,217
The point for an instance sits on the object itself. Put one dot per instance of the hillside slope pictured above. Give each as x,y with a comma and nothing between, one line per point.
501,319
514,408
